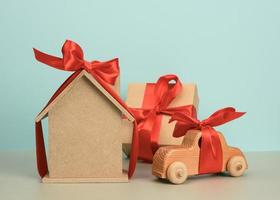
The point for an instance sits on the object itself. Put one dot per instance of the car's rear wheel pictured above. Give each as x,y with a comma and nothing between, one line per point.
236,166
177,172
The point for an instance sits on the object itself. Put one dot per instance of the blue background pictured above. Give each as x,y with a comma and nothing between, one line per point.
230,49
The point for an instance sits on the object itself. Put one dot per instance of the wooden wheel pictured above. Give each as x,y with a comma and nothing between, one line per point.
236,166
177,172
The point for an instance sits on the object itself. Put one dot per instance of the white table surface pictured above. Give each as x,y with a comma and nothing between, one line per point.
19,180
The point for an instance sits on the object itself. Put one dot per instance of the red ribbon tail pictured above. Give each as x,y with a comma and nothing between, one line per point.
134,151
40,150
223,116
47,59
211,154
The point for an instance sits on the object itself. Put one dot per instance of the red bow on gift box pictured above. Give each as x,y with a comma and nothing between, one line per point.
211,156
73,60
148,120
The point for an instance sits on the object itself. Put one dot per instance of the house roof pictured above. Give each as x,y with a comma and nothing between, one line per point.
71,82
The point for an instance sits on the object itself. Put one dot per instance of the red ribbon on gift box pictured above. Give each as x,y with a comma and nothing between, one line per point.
211,155
105,73
157,99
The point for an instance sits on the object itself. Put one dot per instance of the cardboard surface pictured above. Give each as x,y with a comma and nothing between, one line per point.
122,179
188,95
85,137
116,88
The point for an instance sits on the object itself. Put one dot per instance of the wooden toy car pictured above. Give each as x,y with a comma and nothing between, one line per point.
176,163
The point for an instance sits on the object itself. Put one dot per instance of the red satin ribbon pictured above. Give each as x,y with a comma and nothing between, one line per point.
73,60
156,101
211,155
103,72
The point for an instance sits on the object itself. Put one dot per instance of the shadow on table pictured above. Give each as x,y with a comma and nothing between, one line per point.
198,178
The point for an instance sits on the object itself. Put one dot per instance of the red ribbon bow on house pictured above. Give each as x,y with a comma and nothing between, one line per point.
104,72
73,60
211,151
146,130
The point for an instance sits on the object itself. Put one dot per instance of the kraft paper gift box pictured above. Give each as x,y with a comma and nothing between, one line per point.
136,95
84,122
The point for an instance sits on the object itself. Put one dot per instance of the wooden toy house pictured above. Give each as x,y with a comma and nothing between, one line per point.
84,133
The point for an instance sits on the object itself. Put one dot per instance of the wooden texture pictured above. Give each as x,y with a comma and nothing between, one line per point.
177,172
188,153
45,111
188,96
236,165
119,179
85,137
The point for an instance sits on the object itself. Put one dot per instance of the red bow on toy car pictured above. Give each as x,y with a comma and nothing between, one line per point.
211,159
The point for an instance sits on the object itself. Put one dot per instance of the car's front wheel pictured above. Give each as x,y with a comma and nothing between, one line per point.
236,166
177,172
